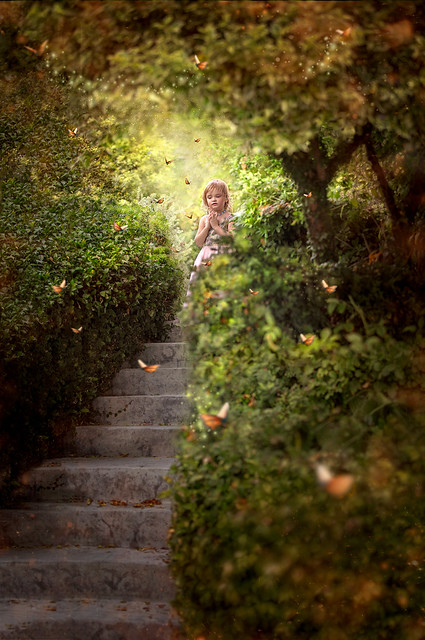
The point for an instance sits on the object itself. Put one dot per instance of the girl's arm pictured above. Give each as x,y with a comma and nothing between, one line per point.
203,228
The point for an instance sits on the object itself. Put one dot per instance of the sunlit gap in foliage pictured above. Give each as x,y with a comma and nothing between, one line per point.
164,156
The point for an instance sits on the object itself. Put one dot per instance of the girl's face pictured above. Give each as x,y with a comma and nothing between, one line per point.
216,200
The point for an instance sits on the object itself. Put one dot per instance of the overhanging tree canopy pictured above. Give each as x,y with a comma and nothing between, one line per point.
310,81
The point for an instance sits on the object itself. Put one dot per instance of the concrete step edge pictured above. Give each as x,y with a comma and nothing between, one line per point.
142,427
29,506
107,462
72,572
88,618
130,426
180,396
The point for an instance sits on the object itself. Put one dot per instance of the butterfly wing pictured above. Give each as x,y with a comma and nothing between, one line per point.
328,288
42,48
211,421
199,64
339,485
151,368
148,368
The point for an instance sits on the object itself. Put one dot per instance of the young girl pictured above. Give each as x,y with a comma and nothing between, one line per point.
215,224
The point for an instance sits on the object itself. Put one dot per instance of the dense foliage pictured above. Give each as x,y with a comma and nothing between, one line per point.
60,200
260,548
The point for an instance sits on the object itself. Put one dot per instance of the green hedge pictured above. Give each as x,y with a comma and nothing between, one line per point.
59,203
259,548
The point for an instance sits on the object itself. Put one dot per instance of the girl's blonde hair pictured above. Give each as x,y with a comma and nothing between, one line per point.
221,187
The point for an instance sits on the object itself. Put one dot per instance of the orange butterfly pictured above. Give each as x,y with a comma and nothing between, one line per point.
200,65
190,216
329,289
373,257
254,293
206,263
167,162
148,368
73,132
187,181
38,52
308,195
77,330
344,33
197,139
160,201
117,227
214,421
306,340
176,250
336,486
60,288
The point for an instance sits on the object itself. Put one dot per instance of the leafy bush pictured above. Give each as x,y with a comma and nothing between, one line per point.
60,202
259,548
270,209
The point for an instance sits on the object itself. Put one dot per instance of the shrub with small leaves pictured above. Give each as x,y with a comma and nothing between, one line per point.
86,274
300,515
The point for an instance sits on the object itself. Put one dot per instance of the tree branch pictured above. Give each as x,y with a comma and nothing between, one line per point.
387,192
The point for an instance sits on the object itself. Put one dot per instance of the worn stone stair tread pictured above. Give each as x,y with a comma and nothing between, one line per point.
146,427
71,572
181,396
87,618
166,354
106,462
35,524
149,409
135,381
126,440
165,505
118,478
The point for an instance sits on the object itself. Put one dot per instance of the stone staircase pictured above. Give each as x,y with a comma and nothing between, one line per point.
85,555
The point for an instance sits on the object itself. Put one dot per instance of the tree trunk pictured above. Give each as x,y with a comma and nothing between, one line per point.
312,171
400,226
307,169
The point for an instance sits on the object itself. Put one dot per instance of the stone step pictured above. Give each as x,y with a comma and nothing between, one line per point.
87,619
139,410
137,382
175,333
129,479
81,572
45,524
125,440
166,354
